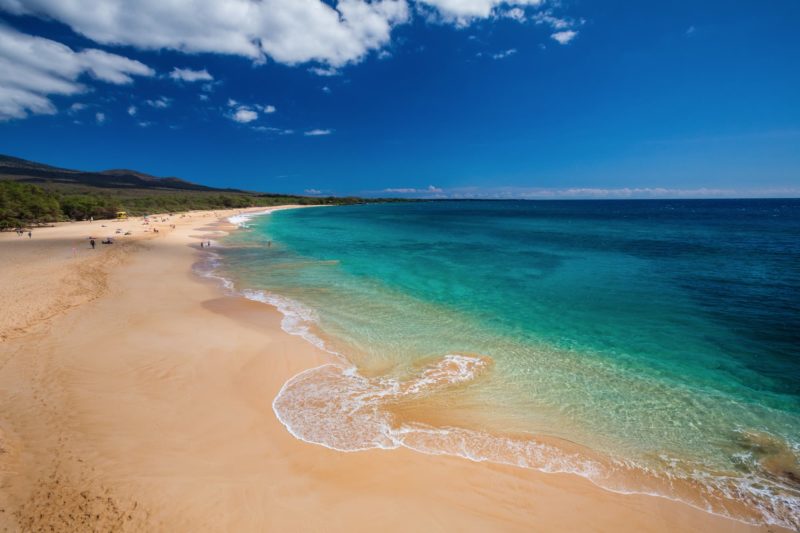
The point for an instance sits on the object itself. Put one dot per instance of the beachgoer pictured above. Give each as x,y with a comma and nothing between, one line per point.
201,244
91,241
30,235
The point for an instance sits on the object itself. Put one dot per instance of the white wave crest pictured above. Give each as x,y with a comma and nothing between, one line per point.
241,220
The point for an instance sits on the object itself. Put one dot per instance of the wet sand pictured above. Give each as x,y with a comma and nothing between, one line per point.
135,395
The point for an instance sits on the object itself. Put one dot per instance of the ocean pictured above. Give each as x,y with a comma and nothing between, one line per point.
650,346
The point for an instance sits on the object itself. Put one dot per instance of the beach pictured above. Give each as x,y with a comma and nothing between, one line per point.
137,395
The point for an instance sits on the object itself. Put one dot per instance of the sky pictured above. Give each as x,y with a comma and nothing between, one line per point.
412,98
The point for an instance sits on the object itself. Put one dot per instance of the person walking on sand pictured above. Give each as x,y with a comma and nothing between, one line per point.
91,241
201,244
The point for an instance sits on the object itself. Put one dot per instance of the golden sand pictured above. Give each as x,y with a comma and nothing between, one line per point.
136,396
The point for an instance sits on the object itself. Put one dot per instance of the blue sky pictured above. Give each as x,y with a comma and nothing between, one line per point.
451,98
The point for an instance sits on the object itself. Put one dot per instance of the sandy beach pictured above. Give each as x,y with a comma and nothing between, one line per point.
136,396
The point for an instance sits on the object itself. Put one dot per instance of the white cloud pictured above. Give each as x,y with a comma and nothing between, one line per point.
287,31
33,68
244,114
504,54
189,75
326,89
77,107
161,102
324,72
313,191
462,12
546,17
430,189
269,129
691,30
317,132
536,193
100,117
515,13
564,37
132,110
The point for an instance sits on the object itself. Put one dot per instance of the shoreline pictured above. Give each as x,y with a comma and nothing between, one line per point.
552,455
143,400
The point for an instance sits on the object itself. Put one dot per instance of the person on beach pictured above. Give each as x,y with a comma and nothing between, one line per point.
91,241
30,234
201,244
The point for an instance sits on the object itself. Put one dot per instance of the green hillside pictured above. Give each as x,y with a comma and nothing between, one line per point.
33,193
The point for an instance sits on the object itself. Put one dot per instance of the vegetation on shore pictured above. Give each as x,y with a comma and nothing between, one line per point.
25,204
36,194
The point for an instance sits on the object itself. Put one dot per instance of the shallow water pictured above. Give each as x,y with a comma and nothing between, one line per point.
652,346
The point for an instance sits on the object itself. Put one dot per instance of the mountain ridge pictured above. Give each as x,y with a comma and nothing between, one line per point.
26,171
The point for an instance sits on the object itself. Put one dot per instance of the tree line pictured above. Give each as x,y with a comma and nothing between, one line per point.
25,204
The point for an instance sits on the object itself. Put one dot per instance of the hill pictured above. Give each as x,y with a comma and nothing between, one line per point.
35,193
24,171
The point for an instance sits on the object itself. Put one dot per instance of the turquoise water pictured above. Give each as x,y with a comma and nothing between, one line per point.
652,346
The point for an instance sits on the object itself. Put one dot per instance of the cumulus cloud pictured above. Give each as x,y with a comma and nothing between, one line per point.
244,114
564,37
132,110
288,31
317,132
189,75
462,12
332,34
100,117
34,68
